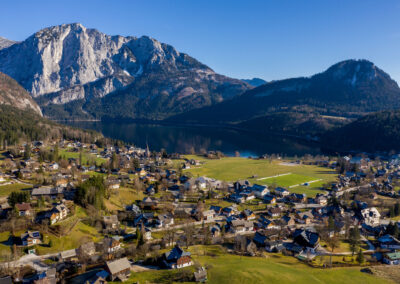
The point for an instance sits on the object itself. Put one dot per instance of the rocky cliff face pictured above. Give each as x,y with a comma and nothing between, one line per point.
4,43
11,93
68,63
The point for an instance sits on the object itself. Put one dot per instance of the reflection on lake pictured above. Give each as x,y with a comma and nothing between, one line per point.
184,139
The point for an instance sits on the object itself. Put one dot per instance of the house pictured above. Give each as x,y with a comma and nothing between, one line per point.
282,192
208,214
200,275
389,242
229,211
259,190
248,214
30,238
148,203
307,239
274,212
392,258
24,209
287,220
164,221
371,216
274,246
87,249
113,183
119,269
134,209
69,255
240,226
111,245
47,191
111,222
58,213
321,200
177,258
54,167
269,199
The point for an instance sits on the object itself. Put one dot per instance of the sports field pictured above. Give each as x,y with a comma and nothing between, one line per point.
277,172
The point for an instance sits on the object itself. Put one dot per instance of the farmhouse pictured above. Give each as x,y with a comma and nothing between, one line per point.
177,258
119,269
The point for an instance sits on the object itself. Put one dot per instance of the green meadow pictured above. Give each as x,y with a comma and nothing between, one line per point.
265,172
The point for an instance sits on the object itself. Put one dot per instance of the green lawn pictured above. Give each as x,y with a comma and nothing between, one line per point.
85,156
275,268
232,169
5,190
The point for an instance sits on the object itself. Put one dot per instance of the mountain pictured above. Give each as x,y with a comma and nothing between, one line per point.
255,82
4,43
374,132
76,72
11,93
347,89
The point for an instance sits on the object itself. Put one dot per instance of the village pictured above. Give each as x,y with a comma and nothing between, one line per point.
85,213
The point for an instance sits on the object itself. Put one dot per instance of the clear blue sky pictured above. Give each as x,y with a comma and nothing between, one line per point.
243,39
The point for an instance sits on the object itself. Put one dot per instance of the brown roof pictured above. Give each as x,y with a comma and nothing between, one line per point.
23,206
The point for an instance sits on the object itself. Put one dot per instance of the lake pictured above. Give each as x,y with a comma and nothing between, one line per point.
184,139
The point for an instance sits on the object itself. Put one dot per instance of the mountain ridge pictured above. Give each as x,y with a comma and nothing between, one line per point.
70,63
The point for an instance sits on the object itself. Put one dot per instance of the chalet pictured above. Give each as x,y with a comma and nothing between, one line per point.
177,258
287,220
24,209
119,269
69,255
298,198
145,219
240,226
321,200
282,192
113,183
237,198
111,222
371,216
111,245
201,275
164,221
241,184
248,214
269,199
259,190
389,242
133,209
60,181
47,191
274,212
267,224
392,258
307,239
148,203
87,249
53,167
274,246
150,190
260,239
208,214
216,209
229,211
30,238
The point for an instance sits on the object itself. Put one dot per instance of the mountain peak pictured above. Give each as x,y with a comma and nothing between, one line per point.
4,43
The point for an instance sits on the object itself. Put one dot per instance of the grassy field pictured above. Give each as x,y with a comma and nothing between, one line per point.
5,190
122,197
232,169
227,268
85,156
